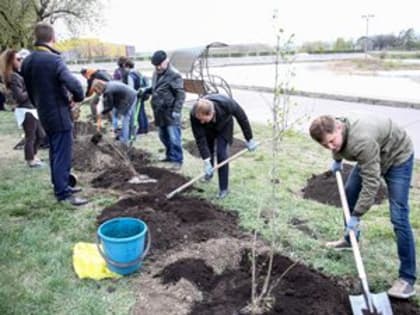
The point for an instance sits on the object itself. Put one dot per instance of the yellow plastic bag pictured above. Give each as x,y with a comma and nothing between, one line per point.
88,263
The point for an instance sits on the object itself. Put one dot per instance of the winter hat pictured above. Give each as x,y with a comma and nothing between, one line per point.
158,57
23,53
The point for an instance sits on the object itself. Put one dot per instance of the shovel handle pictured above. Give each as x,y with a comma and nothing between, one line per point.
192,181
354,244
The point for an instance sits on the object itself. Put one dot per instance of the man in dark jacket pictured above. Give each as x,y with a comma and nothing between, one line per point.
122,99
168,97
90,75
212,121
49,83
381,149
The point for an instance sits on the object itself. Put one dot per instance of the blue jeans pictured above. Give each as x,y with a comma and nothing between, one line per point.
114,119
398,179
127,129
170,136
60,162
222,152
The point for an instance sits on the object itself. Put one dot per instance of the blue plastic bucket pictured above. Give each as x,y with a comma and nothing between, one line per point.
123,244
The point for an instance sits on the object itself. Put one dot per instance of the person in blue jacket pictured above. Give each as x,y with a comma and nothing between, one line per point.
53,90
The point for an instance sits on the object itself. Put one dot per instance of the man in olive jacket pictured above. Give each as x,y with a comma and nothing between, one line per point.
168,96
212,125
52,89
380,148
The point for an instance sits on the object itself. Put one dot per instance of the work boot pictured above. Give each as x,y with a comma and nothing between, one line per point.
401,289
36,164
206,178
176,166
75,201
339,245
164,160
75,190
222,194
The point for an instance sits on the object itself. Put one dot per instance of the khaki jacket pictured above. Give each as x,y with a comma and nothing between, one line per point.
376,144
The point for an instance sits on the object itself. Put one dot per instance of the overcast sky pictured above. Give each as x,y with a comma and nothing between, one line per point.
171,24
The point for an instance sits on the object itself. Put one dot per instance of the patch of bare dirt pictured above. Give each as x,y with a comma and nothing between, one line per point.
323,188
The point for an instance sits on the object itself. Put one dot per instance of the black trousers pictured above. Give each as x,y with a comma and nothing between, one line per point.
34,133
222,152
2,101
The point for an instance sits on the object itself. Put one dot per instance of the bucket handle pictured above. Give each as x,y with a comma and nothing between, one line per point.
128,264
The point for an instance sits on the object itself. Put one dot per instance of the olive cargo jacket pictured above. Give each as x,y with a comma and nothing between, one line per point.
376,144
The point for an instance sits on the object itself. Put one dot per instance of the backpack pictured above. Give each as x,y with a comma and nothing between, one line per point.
138,79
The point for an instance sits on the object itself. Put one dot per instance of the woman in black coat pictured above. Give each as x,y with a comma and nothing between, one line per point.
25,112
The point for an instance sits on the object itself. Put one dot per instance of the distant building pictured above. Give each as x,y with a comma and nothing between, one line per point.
92,49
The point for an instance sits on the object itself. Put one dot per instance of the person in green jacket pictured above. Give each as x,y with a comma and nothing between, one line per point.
380,148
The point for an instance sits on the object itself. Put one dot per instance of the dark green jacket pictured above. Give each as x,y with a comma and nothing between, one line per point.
376,144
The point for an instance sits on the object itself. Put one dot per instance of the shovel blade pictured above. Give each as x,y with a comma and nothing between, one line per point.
380,301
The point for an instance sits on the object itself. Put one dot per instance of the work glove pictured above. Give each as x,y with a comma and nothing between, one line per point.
353,224
208,168
336,166
251,145
176,115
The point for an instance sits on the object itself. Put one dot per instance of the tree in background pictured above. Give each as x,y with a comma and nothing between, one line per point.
341,44
315,46
408,39
18,17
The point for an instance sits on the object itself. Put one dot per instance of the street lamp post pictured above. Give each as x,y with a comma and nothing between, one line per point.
367,17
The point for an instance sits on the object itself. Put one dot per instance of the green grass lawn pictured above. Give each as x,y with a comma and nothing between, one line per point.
38,234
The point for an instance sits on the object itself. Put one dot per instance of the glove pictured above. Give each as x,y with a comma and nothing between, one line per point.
208,168
176,115
353,225
144,93
336,166
251,145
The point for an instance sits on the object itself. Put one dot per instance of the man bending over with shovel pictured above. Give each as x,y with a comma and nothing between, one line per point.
124,99
212,123
380,148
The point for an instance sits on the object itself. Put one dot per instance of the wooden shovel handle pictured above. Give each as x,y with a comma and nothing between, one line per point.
354,244
192,181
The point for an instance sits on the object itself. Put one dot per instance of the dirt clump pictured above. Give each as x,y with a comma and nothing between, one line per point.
323,188
118,177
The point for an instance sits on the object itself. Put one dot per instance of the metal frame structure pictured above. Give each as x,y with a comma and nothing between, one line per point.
193,63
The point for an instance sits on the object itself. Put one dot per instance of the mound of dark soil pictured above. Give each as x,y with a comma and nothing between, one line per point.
236,146
300,290
117,178
179,221
91,157
323,188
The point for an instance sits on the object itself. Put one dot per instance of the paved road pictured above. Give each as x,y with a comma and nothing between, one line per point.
257,106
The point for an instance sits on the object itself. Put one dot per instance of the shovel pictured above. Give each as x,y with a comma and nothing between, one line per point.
367,303
137,178
192,181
